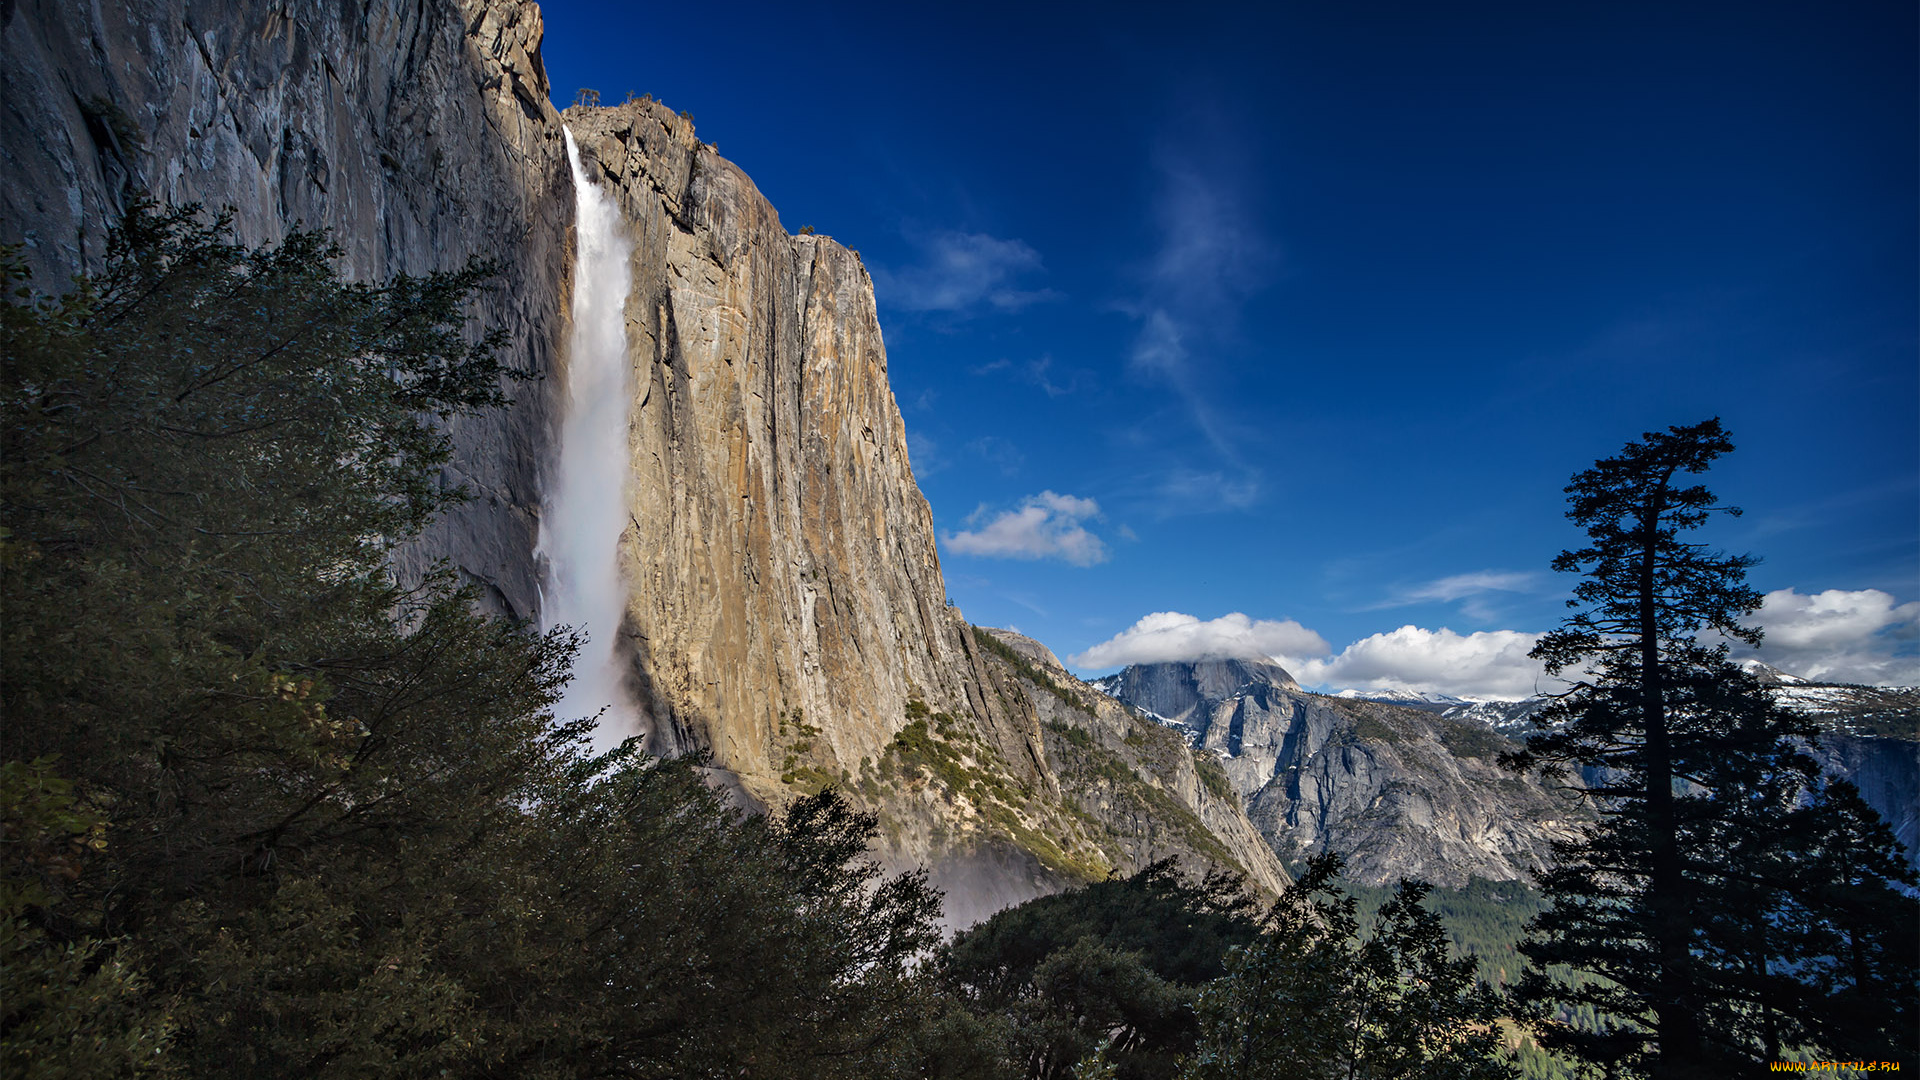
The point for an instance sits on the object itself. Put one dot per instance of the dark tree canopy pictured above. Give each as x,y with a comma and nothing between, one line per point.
1692,900
1115,963
1315,997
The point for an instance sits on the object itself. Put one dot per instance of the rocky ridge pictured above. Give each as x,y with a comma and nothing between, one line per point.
1400,791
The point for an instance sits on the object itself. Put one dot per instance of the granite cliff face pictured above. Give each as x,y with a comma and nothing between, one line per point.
1149,794
785,606
1400,792
419,133
780,557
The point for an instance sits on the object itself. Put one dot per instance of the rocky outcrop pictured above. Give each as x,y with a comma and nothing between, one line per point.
418,132
780,556
1870,735
786,606
1400,792
1146,793
1886,769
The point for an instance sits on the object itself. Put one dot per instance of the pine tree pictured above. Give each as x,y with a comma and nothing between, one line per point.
1694,898
1315,998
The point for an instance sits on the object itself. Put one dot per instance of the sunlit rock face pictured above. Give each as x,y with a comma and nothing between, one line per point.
418,133
779,556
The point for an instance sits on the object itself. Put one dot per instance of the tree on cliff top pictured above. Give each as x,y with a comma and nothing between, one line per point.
1693,897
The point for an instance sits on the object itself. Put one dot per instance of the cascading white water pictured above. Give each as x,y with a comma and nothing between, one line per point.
586,504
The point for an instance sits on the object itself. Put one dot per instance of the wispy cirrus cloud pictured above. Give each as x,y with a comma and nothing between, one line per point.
924,454
1211,258
1045,526
962,272
1473,591
998,452
1039,373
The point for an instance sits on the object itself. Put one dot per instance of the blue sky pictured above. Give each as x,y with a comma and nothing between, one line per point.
1307,312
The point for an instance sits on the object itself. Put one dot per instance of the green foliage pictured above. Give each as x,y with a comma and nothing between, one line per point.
1314,998
935,747
1470,740
1079,757
1213,776
270,812
67,1008
1368,724
1729,905
1104,974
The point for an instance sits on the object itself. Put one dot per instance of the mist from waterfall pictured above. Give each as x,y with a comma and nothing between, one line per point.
586,501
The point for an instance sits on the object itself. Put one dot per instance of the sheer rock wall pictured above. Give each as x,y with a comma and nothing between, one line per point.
419,133
781,557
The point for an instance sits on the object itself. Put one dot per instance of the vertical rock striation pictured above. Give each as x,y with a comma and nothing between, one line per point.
418,132
1398,791
780,556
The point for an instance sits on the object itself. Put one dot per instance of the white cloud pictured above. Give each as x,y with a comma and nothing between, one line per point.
1473,590
1169,636
1486,664
1047,526
1840,635
1461,586
961,271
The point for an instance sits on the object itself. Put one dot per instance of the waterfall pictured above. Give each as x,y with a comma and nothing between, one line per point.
586,502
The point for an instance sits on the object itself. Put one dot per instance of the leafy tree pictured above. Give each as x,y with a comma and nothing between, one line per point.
1314,998
326,823
1114,964
1695,898
65,1009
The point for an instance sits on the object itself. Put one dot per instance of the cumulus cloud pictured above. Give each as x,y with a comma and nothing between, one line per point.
1169,636
1046,526
959,272
1485,664
1840,635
